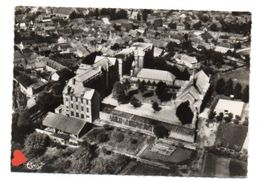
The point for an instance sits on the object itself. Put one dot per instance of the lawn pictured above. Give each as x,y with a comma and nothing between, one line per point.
230,135
237,168
209,165
143,169
179,155
240,75
216,166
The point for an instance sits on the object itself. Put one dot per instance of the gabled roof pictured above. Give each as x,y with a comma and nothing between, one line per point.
104,62
153,74
202,81
64,123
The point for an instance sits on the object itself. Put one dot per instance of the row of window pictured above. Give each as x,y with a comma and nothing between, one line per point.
82,100
132,123
76,114
77,107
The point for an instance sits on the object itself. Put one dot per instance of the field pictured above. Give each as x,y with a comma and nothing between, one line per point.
230,135
240,75
137,168
215,166
237,168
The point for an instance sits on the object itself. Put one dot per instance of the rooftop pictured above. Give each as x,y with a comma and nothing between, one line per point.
64,123
234,107
78,90
159,75
186,58
104,62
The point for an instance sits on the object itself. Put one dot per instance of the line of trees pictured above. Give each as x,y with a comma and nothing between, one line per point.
229,88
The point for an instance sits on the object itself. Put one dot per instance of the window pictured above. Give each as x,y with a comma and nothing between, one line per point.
71,97
77,107
87,116
86,101
71,105
81,100
66,99
72,113
87,109
82,116
82,108
76,99
77,114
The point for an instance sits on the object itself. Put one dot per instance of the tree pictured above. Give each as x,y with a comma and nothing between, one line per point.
90,59
220,116
36,144
212,115
197,26
184,113
101,166
119,91
82,158
23,120
229,117
245,123
119,137
103,138
156,106
135,102
47,102
220,86
214,27
245,96
65,74
237,91
160,131
172,25
121,14
171,46
57,88
75,15
115,47
160,88
229,87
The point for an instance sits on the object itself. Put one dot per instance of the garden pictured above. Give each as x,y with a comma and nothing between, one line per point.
117,139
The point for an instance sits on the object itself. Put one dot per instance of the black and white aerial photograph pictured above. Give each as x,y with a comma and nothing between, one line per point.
121,91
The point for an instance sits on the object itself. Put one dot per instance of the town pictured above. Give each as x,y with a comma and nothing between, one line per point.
131,91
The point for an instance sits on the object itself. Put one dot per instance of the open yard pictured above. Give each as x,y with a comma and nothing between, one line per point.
217,166
237,168
117,139
240,75
179,155
230,135
137,168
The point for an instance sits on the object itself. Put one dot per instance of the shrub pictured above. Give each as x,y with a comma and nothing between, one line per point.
103,138
134,141
135,102
148,94
120,137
